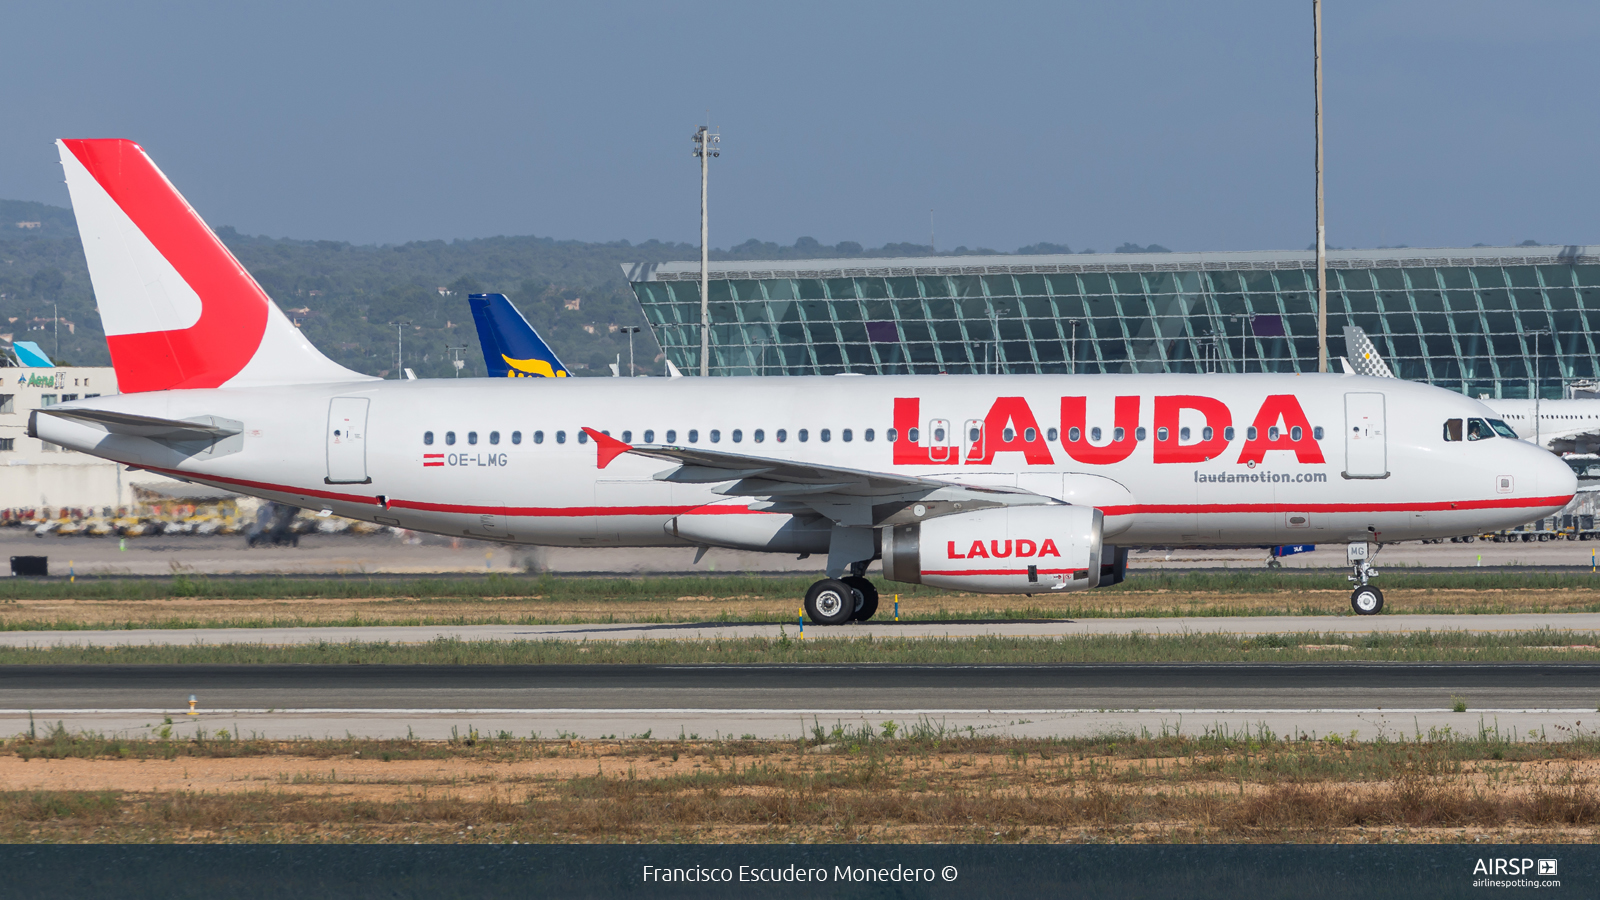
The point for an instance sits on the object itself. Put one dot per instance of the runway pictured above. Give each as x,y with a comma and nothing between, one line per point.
1553,701
1239,625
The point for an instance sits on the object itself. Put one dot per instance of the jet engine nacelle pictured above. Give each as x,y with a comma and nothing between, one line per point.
1011,550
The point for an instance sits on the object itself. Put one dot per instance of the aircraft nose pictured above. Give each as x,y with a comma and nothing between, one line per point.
1552,477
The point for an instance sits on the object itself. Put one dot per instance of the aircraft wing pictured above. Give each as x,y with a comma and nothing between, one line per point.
848,496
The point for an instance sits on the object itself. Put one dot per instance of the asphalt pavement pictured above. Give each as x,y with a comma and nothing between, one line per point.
879,628
1550,700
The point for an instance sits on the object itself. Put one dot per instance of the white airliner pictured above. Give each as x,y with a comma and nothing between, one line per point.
1560,426
998,484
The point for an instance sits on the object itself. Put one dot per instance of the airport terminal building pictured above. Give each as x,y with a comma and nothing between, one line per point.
1486,321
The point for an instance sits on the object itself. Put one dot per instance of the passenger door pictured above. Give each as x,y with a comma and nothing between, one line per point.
1366,453
347,441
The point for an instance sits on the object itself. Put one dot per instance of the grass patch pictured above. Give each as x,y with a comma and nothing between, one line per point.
198,602
725,586
915,783
1424,646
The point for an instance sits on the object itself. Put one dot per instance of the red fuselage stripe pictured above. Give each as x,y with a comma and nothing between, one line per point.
1073,572
1507,503
1132,509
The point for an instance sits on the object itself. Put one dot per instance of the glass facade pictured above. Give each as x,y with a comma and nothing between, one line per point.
1501,322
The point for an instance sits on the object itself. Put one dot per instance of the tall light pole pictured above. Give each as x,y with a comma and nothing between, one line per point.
705,147
455,357
1538,422
1322,242
400,347
630,331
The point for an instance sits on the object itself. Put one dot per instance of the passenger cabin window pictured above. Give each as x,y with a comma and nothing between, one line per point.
649,435
758,435
1074,435
738,435
1250,433
911,435
845,435
450,438
627,437
1478,429
1317,432
516,437
1006,434
1183,433
494,437
1272,433
1052,434
672,435
826,435
867,435
583,437
1139,433
694,435
889,434
427,438
1453,429
472,437
804,435
716,436
1295,433
1206,433
1227,433
783,435
1161,434
561,437
538,437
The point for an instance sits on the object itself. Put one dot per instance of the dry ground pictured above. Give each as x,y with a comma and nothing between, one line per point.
852,789
223,612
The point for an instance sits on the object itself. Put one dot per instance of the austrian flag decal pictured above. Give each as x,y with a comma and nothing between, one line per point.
432,459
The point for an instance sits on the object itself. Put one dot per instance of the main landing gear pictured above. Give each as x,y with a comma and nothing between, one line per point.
1366,600
835,601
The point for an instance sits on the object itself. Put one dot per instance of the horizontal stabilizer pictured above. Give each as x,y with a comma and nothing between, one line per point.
198,428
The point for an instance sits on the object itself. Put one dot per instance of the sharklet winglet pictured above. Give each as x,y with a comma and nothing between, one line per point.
606,447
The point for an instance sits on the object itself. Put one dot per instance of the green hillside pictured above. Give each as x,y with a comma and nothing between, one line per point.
344,295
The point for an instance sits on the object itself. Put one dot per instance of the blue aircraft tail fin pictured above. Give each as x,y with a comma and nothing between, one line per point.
29,354
511,348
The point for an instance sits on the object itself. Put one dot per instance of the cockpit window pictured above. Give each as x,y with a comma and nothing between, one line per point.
1502,429
1452,429
1478,429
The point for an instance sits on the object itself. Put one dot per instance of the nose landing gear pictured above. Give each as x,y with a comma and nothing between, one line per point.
1366,600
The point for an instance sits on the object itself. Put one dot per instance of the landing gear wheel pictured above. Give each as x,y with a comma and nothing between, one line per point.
1366,600
830,602
866,597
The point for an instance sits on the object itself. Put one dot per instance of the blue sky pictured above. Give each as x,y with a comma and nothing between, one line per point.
1186,124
